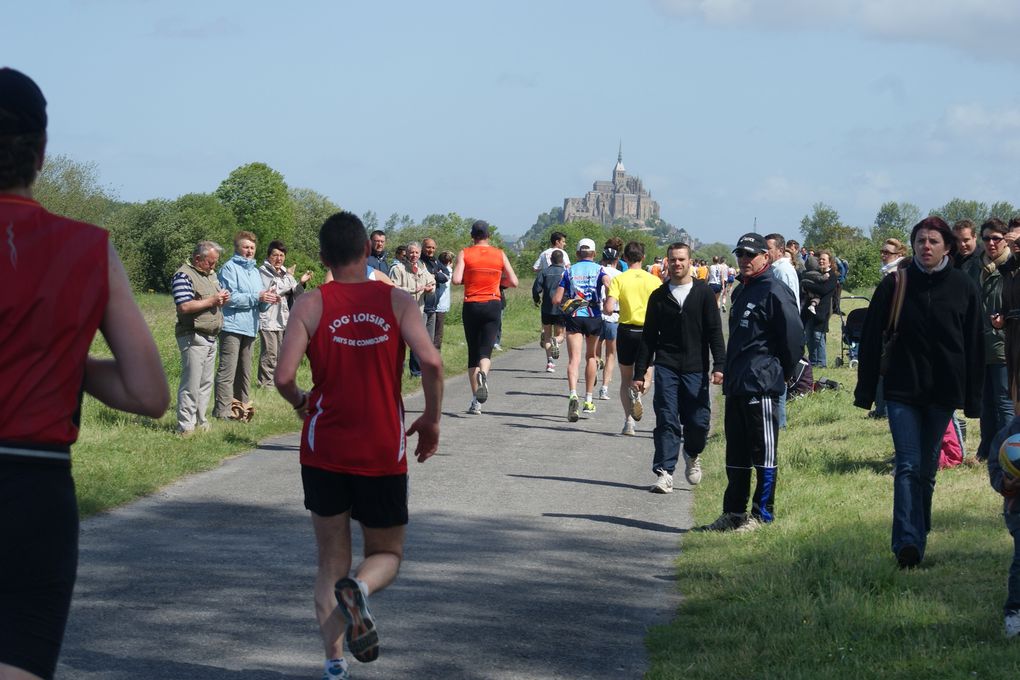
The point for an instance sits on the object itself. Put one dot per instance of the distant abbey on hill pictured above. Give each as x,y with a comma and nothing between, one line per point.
622,198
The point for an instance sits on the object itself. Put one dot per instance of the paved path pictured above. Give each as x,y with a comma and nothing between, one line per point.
534,552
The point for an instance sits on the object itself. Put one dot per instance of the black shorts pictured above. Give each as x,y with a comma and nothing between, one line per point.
628,341
586,325
482,321
376,502
39,539
552,319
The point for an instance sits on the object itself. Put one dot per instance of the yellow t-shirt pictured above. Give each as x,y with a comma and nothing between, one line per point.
631,290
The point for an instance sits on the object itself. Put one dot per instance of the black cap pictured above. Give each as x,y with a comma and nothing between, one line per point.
609,253
22,105
752,243
480,229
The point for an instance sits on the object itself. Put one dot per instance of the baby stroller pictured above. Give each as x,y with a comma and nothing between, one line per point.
851,326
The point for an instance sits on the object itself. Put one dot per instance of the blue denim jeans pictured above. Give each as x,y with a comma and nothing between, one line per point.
814,338
917,435
683,413
781,411
1013,588
996,406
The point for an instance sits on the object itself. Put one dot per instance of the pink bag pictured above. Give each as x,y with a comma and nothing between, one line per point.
950,453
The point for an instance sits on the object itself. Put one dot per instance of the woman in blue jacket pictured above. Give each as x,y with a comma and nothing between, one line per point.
240,275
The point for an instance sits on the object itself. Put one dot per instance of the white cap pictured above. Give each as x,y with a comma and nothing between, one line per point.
586,244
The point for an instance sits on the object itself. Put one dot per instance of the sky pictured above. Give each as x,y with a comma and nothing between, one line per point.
734,113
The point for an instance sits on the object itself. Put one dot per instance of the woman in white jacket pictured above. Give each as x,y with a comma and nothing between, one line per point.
273,321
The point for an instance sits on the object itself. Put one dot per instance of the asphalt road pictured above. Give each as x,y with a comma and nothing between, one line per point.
534,552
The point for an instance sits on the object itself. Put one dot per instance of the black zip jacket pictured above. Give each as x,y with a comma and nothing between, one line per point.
766,337
680,339
938,358
546,283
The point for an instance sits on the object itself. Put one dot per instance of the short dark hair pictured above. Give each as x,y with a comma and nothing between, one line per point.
556,256
936,223
778,238
994,224
793,243
678,246
556,236
276,245
633,252
960,225
1014,222
378,232
19,159
342,239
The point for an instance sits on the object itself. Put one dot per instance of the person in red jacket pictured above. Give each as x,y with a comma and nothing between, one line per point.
63,281
353,445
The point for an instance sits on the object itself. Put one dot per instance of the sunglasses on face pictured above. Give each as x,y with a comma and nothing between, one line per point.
992,239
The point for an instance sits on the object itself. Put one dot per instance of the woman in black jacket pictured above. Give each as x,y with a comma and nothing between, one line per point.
935,365
819,289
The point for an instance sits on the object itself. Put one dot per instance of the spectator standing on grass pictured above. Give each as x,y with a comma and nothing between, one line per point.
442,296
764,347
781,261
968,248
629,293
63,281
996,405
377,258
891,254
199,300
682,325
248,299
542,292
482,269
353,444
1010,314
273,321
431,262
934,364
416,279
815,315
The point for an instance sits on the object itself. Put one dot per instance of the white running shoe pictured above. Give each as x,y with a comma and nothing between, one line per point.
550,367
692,469
573,404
604,393
555,351
636,409
475,408
482,393
664,484
628,427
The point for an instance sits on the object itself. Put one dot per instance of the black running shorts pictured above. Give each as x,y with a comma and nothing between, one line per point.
481,326
376,502
628,340
39,545
552,319
586,325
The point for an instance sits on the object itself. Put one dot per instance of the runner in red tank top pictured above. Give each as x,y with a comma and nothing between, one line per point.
353,445
63,281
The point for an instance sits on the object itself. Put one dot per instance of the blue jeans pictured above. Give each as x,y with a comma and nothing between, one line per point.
781,411
996,406
1013,592
683,413
814,338
917,434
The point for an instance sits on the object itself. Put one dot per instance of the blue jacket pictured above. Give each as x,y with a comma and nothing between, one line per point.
765,340
241,277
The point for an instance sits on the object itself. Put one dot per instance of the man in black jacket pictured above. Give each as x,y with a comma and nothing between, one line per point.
542,291
764,347
682,324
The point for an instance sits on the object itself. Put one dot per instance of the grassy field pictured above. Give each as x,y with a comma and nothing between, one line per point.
818,594
120,457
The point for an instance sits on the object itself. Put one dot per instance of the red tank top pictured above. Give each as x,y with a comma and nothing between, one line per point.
55,292
483,268
356,421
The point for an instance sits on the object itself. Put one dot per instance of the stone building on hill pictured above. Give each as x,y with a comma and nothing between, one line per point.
622,197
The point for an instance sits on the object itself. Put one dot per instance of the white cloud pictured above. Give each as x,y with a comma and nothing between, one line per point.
985,28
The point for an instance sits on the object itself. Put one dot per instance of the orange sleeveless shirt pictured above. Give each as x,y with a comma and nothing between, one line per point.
483,269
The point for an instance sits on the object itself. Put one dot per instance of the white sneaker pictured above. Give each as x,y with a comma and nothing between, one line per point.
555,351
636,410
664,484
604,393
692,469
475,408
1013,625
628,427
550,367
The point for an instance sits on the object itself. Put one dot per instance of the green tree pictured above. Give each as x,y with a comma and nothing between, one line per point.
257,196
709,250
71,188
310,210
370,220
817,227
1004,210
895,220
958,209
395,223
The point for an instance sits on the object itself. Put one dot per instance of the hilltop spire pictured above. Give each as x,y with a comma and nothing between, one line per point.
619,156
619,170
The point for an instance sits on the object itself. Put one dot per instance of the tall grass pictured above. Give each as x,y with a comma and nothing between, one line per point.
121,457
818,594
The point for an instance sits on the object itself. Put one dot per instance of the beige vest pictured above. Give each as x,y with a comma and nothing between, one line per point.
208,321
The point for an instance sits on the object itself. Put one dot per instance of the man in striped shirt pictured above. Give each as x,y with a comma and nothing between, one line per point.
198,297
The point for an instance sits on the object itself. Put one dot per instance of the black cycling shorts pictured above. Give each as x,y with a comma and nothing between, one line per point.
628,341
39,544
376,502
586,325
552,319
481,326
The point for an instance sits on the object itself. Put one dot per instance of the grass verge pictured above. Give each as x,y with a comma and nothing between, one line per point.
121,457
818,594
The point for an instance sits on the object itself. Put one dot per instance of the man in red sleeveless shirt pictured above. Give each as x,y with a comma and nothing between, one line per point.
63,281
353,444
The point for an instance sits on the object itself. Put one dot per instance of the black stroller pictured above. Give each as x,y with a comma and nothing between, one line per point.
851,327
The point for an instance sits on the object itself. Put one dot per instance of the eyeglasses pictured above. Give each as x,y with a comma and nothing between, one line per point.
888,252
992,239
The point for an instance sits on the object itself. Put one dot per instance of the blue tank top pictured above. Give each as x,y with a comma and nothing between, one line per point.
584,279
